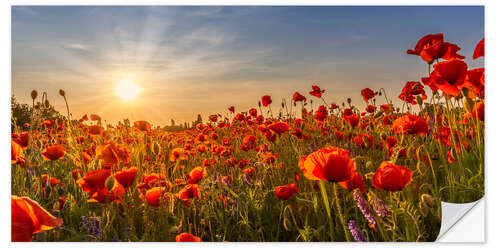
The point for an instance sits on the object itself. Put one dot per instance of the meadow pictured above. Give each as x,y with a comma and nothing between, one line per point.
297,169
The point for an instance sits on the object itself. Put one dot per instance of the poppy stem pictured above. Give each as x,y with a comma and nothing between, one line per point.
328,210
341,216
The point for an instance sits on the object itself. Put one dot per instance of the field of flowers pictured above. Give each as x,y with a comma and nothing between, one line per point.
302,169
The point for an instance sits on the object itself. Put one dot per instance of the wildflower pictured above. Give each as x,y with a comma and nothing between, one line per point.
378,205
142,125
187,237
479,50
53,152
329,164
367,94
17,154
432,47
29,218
286,192
297,97
355,232
196,175
447,76
391,177
410,124
355,183
126,176
266,100
91,225
317,92
365,210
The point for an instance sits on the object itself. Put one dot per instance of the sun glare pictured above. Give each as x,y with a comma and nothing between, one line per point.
127,89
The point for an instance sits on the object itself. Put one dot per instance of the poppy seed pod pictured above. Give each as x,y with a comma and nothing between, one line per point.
62,93
419,100
34,94
427,200
468,105
369,165
110,183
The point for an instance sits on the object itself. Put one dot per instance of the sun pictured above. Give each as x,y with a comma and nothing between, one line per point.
127,89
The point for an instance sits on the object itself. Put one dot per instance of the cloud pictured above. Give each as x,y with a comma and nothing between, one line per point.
25,10
77,46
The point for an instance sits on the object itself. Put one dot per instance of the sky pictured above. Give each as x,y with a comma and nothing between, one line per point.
201,60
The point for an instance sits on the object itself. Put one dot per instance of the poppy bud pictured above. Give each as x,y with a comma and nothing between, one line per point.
369,164
62,93
468,105
110,182
378,114
427,200
419,100
383,136
47,104
349,100
260,105
34,94
156,148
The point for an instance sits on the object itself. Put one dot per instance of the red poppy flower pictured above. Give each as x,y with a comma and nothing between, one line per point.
95,117
107,153
352,119
286,192
475,82
23,139
253,112
297,97
356,182
93,181
321,114
478,110
126,176
96,130
155,195
410,90
142,125
189,191
17,154
266,100
231,109
390,177
448,76
479,50
432,46
316,91
371,109
186,237
410,124
29,218
49,123
53,152
329,164
196,175
367,94
279,127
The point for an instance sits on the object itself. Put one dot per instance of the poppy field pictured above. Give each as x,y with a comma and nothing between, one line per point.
303,168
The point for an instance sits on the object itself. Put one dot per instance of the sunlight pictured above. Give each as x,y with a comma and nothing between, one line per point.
127,89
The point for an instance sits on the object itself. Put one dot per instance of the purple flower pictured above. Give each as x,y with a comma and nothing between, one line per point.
91,225
378,205
365,210
248,180
355,232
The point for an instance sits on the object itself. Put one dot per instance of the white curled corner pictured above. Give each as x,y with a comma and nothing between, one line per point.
473,228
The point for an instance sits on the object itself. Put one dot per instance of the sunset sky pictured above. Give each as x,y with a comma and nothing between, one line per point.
189,60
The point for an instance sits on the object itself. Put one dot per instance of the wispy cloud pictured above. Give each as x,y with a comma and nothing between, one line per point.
77,46
25,10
